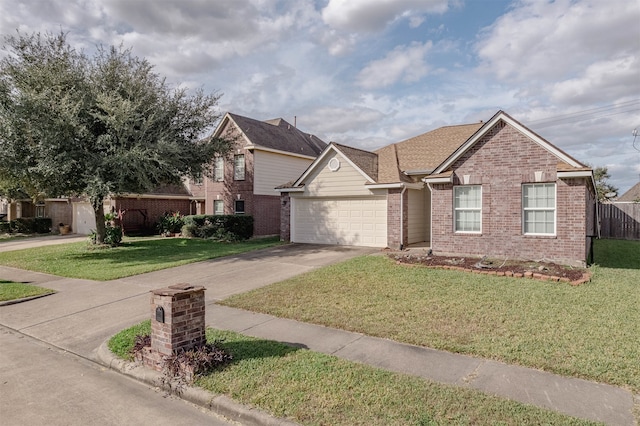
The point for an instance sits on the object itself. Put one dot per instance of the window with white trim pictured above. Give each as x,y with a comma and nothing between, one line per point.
238,167
467,208
218,207
218,169
238,207
539,208
40,210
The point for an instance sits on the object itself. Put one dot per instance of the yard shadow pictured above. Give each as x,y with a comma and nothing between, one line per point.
253,349
618,254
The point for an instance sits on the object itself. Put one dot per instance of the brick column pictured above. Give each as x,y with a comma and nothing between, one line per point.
177,322
285,217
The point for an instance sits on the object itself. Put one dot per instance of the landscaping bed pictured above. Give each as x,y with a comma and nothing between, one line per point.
501,267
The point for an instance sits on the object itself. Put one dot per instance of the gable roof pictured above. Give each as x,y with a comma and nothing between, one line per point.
631,195
501,115
276,134
433,153
421,154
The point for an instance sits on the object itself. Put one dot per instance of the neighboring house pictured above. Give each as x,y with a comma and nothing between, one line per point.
631,196
266,153
493,188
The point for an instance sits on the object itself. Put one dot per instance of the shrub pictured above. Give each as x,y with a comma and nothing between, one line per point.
189,231
5,227
220,228
171,223
32,225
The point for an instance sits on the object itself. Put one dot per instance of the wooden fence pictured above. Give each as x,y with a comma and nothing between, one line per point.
620,221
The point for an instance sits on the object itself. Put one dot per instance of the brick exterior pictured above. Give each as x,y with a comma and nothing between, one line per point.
136,209
285,217
59,212
501,162
395,199
183,327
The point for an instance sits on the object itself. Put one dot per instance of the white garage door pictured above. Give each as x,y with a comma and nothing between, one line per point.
357,222
84,218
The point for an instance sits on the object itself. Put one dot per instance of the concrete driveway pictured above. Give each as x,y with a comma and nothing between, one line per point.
84,313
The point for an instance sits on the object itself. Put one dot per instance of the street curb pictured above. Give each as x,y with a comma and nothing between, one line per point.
219,404
25,299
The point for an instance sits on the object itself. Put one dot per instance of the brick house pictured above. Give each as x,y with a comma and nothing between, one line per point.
266,154
493,188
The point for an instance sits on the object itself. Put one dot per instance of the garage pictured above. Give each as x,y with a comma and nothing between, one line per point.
84,219
352,221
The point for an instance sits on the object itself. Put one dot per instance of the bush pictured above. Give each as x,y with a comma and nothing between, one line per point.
171,223
5,227
220,228
31,225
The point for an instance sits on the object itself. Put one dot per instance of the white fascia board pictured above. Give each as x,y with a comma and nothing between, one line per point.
394,185
448,179
488,125
299,189
152,196
575,174
277,151
417,172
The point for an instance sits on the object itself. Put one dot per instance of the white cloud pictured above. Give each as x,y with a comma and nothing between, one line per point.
375,15
406,63
617,77
548,41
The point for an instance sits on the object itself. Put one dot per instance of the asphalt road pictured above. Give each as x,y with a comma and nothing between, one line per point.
43,385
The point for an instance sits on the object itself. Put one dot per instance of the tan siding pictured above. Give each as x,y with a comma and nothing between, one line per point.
271,170
417,221
345,181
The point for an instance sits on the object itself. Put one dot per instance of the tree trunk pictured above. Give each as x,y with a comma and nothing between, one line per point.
98,209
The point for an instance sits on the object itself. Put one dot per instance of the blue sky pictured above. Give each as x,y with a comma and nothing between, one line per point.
372,72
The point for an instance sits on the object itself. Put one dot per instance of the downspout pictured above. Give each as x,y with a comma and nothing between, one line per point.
430,214
404,188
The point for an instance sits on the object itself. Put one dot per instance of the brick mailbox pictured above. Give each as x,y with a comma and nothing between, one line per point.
177,322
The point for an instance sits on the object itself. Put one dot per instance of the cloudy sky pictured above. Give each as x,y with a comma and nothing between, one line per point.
371,72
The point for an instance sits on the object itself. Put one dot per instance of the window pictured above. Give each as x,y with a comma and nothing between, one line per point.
218,169
238,167
239,207
539,208
218,207
39,210
467,208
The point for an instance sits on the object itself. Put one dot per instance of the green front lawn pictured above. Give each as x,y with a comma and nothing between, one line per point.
316,389
10,290
590,331
135,256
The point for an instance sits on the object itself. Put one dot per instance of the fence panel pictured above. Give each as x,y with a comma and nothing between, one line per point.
620,221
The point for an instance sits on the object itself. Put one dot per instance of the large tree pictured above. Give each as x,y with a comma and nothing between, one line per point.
73,124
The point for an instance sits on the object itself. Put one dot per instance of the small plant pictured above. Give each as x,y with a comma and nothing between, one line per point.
171,223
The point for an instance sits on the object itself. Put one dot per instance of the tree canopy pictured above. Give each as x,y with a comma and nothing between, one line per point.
72,124
603,187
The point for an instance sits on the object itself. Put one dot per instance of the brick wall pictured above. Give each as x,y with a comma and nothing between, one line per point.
59,212
154,208
501,162
397,219
285,217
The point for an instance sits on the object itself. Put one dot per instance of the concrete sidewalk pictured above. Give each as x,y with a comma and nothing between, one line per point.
83,314
49,240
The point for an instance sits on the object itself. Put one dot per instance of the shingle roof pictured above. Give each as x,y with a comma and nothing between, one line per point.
279,135
421,153
632,194
366,161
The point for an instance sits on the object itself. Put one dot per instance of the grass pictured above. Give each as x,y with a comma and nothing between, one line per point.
10,290
590,331
316,389
135,256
